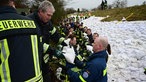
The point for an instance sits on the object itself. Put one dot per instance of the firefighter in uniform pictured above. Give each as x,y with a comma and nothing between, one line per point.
95,69
20,53
42,18
82,42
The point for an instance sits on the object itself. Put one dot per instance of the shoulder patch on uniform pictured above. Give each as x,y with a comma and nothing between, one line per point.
85,75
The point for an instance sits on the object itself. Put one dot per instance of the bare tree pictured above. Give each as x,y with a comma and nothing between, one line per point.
120,4
123,4
144,3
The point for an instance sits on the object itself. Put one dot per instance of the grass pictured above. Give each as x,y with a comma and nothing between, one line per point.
139,13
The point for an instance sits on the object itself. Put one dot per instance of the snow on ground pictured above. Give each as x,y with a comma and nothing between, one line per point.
128,43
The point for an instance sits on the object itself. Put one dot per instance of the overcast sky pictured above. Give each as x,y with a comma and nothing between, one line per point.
90,4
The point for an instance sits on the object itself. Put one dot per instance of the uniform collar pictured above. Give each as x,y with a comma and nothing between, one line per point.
101,54
36,15
38,18
7,9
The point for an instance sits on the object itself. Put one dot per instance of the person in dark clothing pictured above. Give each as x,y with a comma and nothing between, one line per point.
42,18
102,5
105,4
20,46
89,34
95,68
95,35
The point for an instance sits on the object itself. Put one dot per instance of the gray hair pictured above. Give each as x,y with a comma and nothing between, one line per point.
104,41
45,5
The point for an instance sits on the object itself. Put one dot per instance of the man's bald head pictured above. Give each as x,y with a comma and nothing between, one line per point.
104,41
100,44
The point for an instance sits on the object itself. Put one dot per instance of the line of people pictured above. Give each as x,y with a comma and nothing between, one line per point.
83,37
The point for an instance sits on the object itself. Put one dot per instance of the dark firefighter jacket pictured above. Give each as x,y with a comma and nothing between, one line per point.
48,33
94,71
20,55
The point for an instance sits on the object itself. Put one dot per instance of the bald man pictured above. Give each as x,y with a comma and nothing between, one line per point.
95,69
100,44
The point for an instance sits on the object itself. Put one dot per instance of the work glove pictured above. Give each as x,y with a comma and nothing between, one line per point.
58,53
60,74
109,49
55,52
145,71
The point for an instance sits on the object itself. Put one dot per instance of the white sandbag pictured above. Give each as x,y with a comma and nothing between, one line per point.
69,53
67,41
90,48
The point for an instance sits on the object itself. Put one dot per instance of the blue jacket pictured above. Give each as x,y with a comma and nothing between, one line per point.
94,71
